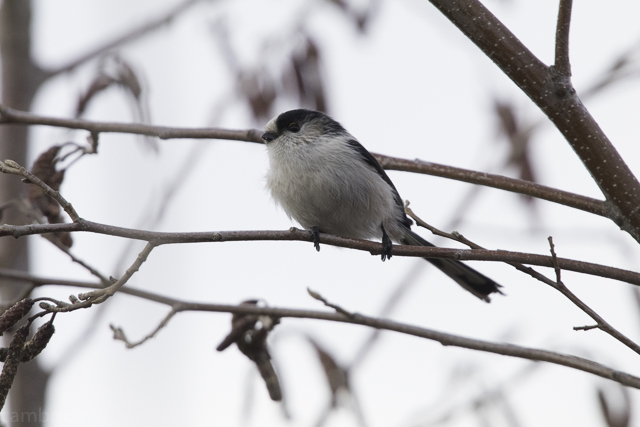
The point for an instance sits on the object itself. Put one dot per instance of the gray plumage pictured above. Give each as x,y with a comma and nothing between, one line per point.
328,182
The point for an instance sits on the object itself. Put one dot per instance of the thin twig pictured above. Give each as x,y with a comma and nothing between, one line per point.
125,38
9,115
557,100
337,308
585,328
601,324
118,333
13,168
101,295
57,243
519,186
558,285
98,296
554,257
563,66
410,278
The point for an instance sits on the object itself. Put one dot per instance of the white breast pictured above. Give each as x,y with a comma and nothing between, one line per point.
325,184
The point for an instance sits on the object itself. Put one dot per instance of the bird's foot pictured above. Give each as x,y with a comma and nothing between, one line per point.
315,237
387,245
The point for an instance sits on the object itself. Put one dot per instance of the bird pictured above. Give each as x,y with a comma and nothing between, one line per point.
329,183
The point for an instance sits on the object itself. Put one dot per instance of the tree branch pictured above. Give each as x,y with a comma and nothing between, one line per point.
9,115
159,238
557,285
562,65
520,186
118,333
10,167
125,38
445,339
293,234
557,99
601,324
598,207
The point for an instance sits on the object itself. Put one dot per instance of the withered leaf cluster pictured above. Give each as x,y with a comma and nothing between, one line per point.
45,168
113,71
249,332
299,77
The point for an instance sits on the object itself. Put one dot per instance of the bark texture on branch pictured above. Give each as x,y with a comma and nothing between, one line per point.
554,94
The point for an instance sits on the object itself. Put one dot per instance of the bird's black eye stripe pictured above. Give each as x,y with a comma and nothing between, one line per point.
294,127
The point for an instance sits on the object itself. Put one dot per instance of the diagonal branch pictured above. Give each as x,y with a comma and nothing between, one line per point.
602,324
557,99
12,168
557,285
123,39
520,186
118,333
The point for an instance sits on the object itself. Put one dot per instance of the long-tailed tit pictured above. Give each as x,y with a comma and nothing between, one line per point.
329,183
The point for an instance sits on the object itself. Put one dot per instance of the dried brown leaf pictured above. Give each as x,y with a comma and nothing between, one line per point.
337,377
250,332
45,168
308,77
615,405
99,84
258,88
112,71
519,139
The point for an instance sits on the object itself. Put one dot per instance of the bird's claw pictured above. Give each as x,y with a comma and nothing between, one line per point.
315,237
387,245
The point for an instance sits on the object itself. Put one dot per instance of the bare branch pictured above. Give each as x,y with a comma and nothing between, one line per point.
86,300
563,66
598,207
12,168
556,267
337,308
520,186
9,115
101,295
558,285
445,339
293,234
601,324
557,99
125,38
118,333
55,241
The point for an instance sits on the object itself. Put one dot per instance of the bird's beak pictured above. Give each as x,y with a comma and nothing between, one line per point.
269,136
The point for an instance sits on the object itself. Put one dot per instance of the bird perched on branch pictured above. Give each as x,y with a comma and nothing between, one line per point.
329,183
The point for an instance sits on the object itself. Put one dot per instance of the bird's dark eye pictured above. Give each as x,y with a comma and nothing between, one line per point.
293,127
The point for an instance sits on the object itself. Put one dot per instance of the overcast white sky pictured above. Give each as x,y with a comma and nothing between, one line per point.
413,87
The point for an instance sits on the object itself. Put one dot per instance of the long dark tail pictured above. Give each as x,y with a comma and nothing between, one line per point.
470,279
